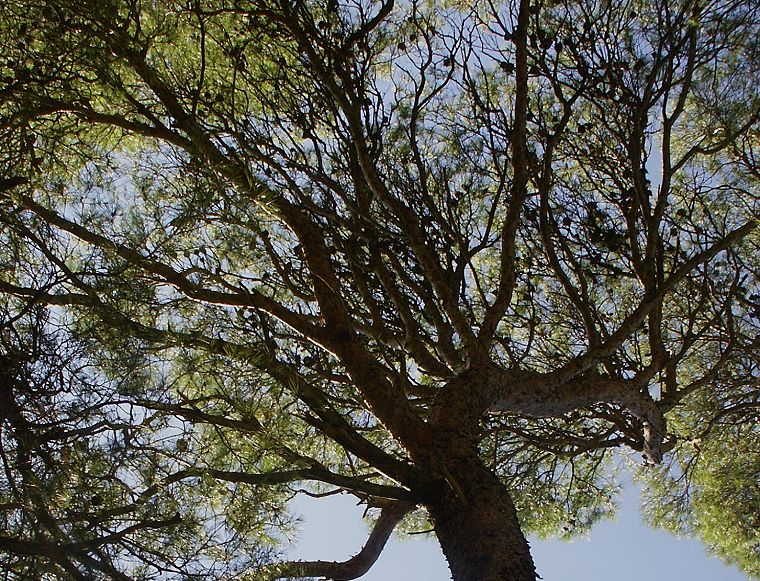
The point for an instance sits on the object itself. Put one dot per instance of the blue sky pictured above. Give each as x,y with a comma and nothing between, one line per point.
620,550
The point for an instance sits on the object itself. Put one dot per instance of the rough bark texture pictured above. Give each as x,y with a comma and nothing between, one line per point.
476,524
472,511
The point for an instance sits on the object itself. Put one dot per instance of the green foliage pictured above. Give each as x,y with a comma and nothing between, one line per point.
712,489
275,247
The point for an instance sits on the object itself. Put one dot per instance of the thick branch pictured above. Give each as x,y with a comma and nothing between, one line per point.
519,183
534,397
354,567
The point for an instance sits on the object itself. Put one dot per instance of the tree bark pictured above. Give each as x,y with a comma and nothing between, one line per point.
476,524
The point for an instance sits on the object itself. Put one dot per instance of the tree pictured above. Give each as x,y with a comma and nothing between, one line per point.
447,258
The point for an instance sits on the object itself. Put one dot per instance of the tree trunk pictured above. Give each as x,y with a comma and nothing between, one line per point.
476,523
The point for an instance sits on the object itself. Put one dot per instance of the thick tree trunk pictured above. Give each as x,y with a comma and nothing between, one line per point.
476,523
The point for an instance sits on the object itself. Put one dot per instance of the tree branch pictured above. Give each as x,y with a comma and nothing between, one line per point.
354,567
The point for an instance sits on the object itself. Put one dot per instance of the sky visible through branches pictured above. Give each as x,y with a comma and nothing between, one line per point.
454,259
623,549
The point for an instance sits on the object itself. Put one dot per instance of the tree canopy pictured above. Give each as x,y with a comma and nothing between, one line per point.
453,258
